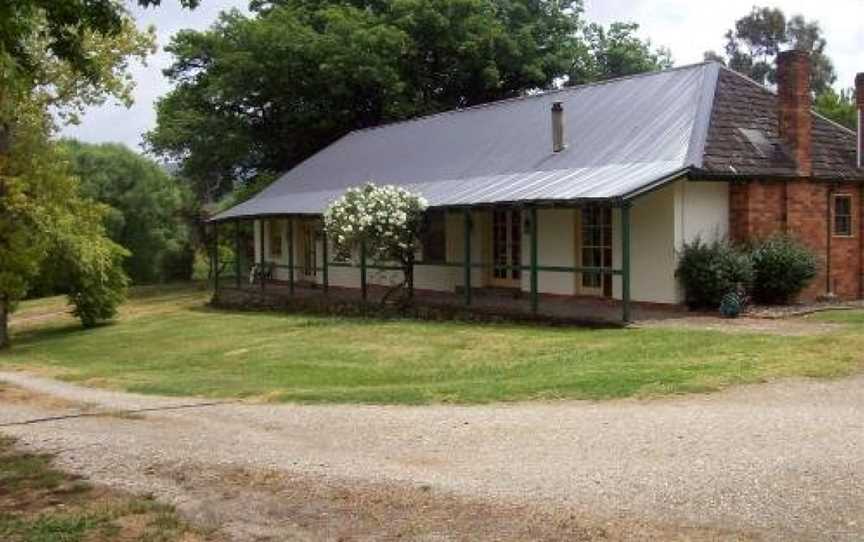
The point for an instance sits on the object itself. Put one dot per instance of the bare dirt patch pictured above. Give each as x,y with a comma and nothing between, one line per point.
772,326
16,395
290,506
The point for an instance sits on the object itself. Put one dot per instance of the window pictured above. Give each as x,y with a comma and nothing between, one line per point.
843,215
433,238
275,238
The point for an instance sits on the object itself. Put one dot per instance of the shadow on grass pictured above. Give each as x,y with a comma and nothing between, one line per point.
55,332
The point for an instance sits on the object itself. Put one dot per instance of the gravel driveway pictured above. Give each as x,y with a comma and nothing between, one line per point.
776,461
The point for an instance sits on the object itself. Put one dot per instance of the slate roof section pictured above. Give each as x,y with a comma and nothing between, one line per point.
623,136
742,111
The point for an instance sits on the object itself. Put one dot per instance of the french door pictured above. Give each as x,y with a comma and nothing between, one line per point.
596,236
506,248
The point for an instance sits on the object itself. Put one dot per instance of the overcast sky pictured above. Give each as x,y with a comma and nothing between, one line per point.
686,27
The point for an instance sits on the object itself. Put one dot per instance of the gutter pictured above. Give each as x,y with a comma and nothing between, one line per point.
705,175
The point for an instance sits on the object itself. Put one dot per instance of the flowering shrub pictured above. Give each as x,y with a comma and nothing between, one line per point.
385,219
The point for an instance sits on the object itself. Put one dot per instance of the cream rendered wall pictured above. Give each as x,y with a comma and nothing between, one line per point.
556,246
703,211
480,249
661,222
652,248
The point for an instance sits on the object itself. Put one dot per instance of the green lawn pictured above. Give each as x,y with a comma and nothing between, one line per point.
169,342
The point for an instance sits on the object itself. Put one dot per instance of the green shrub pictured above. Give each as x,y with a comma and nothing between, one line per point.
708,271
782,267
97,291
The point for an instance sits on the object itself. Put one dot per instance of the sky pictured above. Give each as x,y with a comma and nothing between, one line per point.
687,27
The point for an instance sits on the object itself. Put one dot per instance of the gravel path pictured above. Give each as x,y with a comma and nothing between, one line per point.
779,461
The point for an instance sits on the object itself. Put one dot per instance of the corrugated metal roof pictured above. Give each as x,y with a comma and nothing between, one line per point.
622,135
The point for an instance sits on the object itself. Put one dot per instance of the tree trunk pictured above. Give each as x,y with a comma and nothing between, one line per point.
4,324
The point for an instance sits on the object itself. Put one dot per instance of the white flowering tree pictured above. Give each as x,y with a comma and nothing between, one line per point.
385,220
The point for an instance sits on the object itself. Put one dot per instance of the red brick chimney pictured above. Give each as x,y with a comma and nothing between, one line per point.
859,102
793,91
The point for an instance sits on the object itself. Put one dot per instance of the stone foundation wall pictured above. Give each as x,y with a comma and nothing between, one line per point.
333,306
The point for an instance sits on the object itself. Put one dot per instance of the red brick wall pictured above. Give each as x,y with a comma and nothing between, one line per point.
756,209
760,208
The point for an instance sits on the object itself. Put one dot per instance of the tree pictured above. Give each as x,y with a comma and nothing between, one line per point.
616,52
838,107
145,208
42,217
254,95
65,27
50,63
384,221
752,46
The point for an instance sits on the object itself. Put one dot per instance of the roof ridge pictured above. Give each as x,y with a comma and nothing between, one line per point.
540,94
774,93
702,118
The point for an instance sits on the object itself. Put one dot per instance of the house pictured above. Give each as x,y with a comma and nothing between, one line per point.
590,190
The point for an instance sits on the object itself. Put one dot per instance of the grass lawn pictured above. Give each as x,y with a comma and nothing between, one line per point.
168,342
41,504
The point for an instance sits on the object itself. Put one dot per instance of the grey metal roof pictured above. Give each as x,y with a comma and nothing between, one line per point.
622,136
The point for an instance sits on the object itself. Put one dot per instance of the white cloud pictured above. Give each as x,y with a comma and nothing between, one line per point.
687,27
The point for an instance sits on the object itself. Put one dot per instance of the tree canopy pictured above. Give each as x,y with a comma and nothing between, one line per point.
64,26
144,208
58,56
256,94
752,46
838,106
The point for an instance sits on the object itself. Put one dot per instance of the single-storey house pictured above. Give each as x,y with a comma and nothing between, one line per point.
590,190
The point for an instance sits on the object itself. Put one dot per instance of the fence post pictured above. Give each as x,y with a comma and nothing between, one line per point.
534,286
237,281
625,261
324,268
215,258
291,255
261,243
467,257
363,287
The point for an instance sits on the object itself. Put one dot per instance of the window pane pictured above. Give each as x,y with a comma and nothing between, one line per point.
842,215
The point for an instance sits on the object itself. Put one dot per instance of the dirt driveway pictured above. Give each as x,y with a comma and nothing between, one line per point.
780,461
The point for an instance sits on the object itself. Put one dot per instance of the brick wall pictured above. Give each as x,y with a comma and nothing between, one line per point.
758,209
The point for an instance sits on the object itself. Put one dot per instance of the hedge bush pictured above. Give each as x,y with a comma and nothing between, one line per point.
709,271
782,267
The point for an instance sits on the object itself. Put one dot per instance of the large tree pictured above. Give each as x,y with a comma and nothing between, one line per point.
752,46
145,207
58,56
255,94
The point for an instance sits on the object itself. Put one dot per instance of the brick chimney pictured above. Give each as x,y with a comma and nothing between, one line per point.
859,106
793,91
